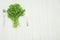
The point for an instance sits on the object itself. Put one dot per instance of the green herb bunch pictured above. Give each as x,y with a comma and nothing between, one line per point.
14,12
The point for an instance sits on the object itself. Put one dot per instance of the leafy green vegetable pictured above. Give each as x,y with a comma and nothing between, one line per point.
14,12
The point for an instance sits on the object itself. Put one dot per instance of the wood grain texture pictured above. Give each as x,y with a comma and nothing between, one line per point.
43,18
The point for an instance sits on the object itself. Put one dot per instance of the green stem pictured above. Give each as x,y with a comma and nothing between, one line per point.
15,23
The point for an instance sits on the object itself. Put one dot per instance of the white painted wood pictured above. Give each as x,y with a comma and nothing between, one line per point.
43,18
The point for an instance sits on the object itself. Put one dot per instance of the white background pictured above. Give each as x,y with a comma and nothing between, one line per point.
43,18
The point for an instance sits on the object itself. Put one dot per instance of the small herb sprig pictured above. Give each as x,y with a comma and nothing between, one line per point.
14,12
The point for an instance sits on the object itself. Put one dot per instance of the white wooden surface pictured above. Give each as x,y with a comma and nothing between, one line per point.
43,17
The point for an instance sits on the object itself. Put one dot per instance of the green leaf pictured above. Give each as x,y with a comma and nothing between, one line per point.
14,12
